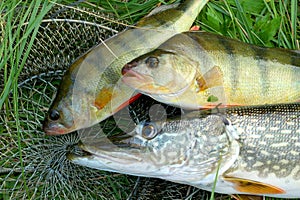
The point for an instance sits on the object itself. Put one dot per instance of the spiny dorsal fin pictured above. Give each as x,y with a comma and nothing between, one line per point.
253,187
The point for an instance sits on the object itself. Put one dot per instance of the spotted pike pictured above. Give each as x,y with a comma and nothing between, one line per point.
196,70
89,91
246,150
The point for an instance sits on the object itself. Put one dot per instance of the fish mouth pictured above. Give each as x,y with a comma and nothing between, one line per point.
54,131
132,75
106,147
143,83
138,81
54,128
127,67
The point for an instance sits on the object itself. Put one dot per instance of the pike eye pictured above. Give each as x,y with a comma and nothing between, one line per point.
152,62
54,115
149,131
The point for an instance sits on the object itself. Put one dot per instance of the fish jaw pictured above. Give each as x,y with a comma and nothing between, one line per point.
143,83
104,155
68,122
62,125
55,128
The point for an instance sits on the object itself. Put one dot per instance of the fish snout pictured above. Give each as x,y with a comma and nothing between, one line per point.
53,128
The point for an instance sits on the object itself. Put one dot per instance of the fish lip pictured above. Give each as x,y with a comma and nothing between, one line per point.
135,80
105,153
54,129
127,67
131,77
133,74
54,132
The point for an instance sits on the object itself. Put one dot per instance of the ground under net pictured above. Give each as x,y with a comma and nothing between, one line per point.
34,166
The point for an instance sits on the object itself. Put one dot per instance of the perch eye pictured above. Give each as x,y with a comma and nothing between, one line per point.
152,62
54,115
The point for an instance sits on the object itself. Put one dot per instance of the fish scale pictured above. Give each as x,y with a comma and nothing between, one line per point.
254,150
90,90
201,70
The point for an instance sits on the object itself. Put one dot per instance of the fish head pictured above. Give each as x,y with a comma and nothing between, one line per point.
180,151
160,72
71,103
66,116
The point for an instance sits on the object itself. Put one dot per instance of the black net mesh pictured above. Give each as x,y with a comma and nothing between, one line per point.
34,166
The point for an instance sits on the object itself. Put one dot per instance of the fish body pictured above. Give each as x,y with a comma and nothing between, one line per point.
195,70
243,150
89,91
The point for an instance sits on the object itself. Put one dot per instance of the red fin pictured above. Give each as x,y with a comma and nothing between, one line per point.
212,78
103,97
253,187
132,99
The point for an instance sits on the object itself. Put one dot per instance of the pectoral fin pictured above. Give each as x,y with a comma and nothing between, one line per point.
104,96
253,187
211,78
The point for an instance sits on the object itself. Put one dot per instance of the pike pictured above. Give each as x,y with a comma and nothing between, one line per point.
195,70
90,92
244,150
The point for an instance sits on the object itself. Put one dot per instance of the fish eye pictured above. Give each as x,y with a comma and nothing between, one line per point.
54,115
149,131
152,62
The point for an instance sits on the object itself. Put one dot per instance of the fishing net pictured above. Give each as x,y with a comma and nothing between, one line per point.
34,166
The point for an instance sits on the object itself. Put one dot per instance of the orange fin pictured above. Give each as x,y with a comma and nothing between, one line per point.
105,95
253,187
103,98
212,78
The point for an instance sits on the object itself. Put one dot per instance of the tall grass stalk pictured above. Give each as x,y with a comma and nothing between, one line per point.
16,42
21,21
269,23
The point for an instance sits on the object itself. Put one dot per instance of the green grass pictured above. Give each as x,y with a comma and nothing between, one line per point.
19,26
20,22
266,23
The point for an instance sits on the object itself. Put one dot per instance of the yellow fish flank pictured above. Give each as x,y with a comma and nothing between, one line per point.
254,150
196,70
89,91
